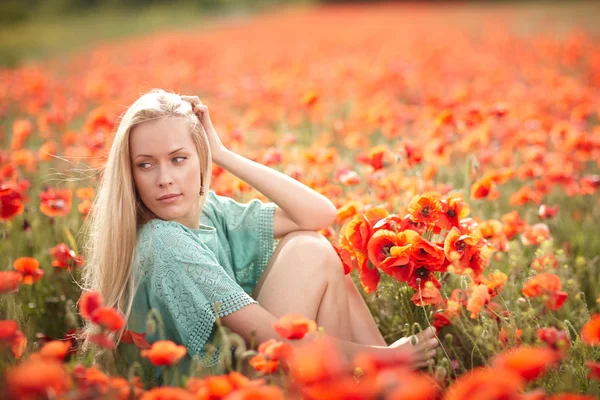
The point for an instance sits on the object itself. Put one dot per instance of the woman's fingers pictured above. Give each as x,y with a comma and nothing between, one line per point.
192,99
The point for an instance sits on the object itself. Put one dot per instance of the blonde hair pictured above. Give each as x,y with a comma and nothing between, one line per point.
118,212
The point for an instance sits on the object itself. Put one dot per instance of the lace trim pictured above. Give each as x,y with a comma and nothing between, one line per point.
265,221
199,336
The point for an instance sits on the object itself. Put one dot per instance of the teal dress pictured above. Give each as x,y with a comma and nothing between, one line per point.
186,274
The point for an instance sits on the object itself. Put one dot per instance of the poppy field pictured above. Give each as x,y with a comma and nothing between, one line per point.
461,146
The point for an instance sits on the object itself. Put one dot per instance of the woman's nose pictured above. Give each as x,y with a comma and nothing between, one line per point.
164,177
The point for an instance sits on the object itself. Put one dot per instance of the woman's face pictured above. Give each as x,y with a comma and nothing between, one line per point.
164,162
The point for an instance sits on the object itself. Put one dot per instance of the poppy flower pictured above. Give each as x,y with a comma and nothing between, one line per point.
482,188
109,318
36,377
420,276
369,275
294,326
494,282
64,257
18,345
486,383
9,281
57,349
387,249
428,254
547,211
130,337
89,302
102,340
492,231
535,234
275,349
546,284
11,202
594,368
56,202
8,330
459,248
266,392
375,214
529,362
317,361
428,295
391,222
345,256
85,193
355,234
29,268
348,210
556,339
590,332
264,364
453,209
424,209
164,352
377,157
480,296
167,393
512,224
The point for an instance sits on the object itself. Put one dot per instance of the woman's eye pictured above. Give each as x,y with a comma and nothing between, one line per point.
183,158
141,165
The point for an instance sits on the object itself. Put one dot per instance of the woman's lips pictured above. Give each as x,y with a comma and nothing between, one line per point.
170,199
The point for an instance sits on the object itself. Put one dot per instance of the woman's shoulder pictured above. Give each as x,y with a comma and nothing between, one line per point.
163,232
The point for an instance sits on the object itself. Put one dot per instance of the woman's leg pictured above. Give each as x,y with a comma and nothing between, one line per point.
305,275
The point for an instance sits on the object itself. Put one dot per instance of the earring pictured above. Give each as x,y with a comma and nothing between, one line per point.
201,190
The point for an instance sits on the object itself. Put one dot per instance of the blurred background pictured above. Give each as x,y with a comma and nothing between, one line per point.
33,29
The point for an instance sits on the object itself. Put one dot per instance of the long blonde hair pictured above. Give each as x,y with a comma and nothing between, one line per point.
118,212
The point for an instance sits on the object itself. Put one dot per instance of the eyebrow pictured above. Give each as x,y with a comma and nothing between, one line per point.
147,155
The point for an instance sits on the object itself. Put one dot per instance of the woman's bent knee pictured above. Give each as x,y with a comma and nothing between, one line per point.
316,247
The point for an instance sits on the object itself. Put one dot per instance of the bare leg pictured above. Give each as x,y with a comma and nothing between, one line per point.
364,327
305,275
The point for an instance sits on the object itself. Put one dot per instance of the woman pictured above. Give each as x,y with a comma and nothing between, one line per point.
160,239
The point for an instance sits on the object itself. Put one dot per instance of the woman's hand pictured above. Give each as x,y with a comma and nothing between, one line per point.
423,349
201,110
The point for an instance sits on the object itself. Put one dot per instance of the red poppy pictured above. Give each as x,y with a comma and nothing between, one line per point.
546,284
590,332
355,234
492,231
377,157
130,337
544,262
275,349
512,224
388,249
264,364
535,234
594,368
425,209
57,349
367,273
294,326
29,268
167,393
486,383
11,202
459,249
56,202
420,276
428,295
164,352
479,297
546,211
109,318
529,362
64,257
89,302
453,210
8,330
428,254
9,281
482,188
102,340
554,338
348,210
36,377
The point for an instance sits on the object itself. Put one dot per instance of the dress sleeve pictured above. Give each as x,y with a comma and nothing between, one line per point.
186,285
249,231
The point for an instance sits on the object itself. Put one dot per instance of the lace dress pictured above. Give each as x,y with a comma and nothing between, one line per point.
185,273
